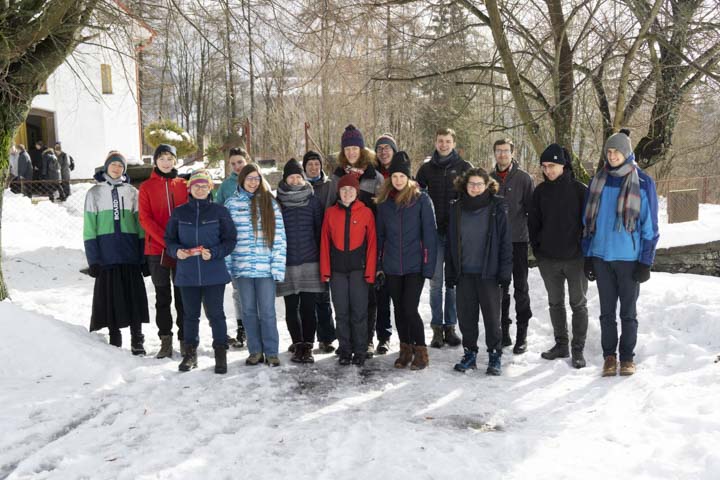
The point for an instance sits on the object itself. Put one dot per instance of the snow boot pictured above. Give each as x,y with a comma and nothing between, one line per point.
116,338
241,336
405,357
272,361
578,359
383,347
557,351
520,340
344,359
137,344
358,359
221,359
610,366
183,348
467,362
255,359
451,337
292,347
326,347
298,352
189,360
370,350
437,338
506,340
166,347
420,359
494,367
307,353
627,368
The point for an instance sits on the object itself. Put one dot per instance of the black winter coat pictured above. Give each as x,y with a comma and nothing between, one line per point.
555,222
302,230
517,190
438,180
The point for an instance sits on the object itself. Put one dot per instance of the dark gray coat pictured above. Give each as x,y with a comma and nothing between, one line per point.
517,190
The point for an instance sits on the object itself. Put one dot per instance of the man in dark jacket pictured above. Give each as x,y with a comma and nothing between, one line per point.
50,171
516,186
67,163
437,176
36,159
24,170
555,226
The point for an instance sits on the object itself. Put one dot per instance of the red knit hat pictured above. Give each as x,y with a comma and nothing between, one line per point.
348,180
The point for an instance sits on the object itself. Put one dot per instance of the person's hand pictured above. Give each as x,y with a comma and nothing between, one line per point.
206,255
589,269
504,283
94,270
641,274
182,254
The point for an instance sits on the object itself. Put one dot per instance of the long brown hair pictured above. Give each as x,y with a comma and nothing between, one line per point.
404,197
367,157
262,202
462,181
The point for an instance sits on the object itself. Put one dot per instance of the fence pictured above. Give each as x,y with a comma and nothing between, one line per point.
708,187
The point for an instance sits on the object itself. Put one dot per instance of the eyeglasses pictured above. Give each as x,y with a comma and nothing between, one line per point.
476,184
253,179
382,148
201,186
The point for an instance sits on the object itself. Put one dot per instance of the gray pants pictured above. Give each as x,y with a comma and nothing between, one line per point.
555,273
350,299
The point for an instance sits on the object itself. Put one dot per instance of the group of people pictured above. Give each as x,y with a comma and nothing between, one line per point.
368,235
51,165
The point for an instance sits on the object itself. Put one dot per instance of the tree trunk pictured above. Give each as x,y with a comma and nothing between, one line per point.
6,136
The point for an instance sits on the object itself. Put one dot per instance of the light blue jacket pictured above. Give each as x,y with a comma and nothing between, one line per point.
227,189
251,258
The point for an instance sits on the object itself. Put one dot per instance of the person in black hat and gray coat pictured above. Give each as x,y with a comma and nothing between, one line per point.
555,226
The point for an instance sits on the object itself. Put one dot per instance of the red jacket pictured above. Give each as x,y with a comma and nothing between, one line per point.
348,241
158,197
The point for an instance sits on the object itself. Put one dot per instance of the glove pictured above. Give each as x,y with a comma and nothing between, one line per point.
589,269
449,283
504,283
641,274
379,280
145,268
94,270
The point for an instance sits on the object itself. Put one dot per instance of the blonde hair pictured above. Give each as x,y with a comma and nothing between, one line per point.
408,194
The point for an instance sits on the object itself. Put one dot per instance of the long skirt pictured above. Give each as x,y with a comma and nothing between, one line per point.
119,298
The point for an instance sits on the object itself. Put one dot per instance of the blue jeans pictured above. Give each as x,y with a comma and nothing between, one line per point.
258,306
615,283
436,290
211,297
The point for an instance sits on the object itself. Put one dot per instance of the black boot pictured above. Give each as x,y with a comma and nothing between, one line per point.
307,354
298,352
220,359
137,344
437,338
557,351
189,360
578,359
520,340
116,338
451,337
241,336
506,340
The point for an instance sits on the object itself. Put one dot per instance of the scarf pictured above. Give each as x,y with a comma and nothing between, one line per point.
443,161
628,204
171,174
472,204
356,172
291,196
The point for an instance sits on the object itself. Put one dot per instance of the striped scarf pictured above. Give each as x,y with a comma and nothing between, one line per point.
628,204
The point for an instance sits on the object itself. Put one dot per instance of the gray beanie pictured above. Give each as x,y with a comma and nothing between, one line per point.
115,156
619,141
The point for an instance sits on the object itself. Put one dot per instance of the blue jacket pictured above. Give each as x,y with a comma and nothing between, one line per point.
611,245
227,189
498,244
407,237
201,223
302,229
251,258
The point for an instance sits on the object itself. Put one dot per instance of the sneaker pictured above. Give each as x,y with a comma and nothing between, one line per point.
358,359
627,368
255,359
494,367
370,350
610,366
326,347
272,360
467,362
557,351
383,347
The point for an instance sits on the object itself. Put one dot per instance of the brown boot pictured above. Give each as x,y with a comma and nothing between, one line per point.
406,356
610,366
420,360
627,368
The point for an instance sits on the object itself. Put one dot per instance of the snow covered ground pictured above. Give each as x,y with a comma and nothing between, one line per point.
74,407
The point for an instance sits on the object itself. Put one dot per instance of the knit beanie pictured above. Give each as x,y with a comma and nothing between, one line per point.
554,153
400,163
292,167
386,139
348,181
162,148
619,141
311,155
200,177
115,156
352,137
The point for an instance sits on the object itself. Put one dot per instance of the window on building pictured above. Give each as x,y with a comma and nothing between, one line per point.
106,75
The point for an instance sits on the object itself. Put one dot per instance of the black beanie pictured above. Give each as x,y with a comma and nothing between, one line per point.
400,163
162,148
554,153
292,167
311,155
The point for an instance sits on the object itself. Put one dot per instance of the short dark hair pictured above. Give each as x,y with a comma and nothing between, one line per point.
238,151
446,131
504,141
462,181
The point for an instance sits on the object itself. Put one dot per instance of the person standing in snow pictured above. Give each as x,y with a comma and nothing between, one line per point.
159,195
200,234
437,177
50,172
313,167
407,250
348,256
114,250
257,262
238,158
302,216
555,228
478,259
516,187
619,241
67,164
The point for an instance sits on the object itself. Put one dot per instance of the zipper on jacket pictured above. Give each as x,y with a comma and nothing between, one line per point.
401,242
167,196
346,247
197,241
122,205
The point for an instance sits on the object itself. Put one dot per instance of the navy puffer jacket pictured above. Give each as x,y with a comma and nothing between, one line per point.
407,237
201,223
302,229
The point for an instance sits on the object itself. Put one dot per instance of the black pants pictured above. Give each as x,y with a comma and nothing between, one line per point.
116,335
615,283
300,316
383,324
474,295
405,292
325,324
521,291
350,295
161,279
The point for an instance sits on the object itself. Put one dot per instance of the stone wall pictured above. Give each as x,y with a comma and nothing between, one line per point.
703,259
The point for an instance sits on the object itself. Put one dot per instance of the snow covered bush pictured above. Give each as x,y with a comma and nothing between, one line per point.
169,132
